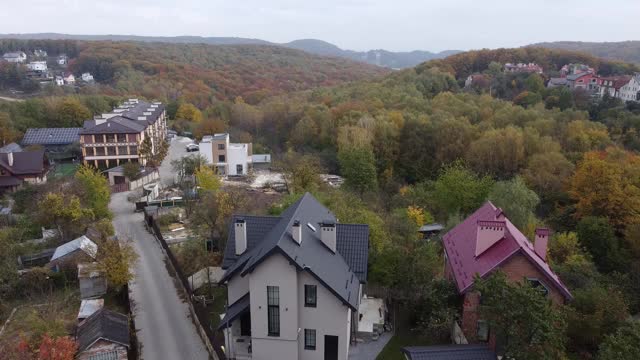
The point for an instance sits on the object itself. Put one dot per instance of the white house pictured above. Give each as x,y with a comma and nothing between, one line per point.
294,284
39,53
69,79
234,159
15,57
59,80
631,90
62,59
40,66
87,77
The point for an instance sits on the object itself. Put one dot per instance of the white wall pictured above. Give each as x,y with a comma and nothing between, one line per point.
206,150
274,271
329,317
237,287
237,154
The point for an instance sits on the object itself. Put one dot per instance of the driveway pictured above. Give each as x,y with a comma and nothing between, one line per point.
164,326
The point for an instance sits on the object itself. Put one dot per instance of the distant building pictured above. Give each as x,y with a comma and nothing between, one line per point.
40,66
523,68
477,81
103,336
584,80
574,69
62,59
233,159
114,138
57,142
612,85
17,168
80,250
39,53
631,90
487,241
59,80
69,79
555,82
87,77
15,57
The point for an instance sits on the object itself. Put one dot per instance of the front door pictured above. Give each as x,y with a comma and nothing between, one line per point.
239,169
330,347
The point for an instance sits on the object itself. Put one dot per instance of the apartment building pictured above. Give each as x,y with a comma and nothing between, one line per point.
234,159
115,138
294,284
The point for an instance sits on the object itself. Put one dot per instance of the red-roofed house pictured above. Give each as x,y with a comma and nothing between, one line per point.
485,242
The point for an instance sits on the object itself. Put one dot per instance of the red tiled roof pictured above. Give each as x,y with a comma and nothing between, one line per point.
460,244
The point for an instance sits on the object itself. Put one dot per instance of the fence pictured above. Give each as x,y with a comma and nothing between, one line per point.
140,205
213,341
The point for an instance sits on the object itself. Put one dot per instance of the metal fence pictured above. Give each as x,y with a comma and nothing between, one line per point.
214,340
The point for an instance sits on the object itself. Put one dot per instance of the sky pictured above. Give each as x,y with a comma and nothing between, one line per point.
396,25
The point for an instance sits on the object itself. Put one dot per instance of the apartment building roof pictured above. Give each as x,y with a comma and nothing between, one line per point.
341,272
114,125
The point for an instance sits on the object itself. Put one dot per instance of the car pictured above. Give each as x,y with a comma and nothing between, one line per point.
192,147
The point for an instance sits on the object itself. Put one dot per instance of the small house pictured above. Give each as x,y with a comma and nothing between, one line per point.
93,282
69,79
38,66
76,251
62,59
15,57
59,80
17,168
87,77
103,335
39,53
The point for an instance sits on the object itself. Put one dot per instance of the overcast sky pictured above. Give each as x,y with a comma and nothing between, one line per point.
397,25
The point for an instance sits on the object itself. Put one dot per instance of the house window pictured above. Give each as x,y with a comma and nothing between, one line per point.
539,285
220,146
483,330
309,339
310,295
273,310
122,150
133,150
221,158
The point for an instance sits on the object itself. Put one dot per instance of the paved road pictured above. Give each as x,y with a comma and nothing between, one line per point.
163,324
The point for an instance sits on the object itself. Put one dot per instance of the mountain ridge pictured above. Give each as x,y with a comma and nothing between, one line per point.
379,57
628,51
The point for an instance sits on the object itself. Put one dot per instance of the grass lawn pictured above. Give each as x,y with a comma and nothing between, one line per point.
392,350
64,170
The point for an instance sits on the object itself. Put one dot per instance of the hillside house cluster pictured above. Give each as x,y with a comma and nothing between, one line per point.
37,68
523,68
580,76
114,138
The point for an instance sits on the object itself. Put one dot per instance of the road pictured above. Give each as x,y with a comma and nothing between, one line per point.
164,326
10,99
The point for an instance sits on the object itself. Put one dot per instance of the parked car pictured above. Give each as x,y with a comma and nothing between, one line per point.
193,147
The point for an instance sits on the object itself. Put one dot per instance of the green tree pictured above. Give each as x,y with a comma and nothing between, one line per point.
301,172
535,83
357,165
524,321
598,237
94,191
131,170
624,344
460,190
500,152
517,201
547,174
117,258
189,112
207,179
72,113
65,212
145,151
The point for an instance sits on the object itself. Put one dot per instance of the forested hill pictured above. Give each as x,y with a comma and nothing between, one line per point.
378,57
463,64
200,73
628,51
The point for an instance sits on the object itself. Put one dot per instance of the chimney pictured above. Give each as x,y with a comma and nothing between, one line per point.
489,233
541,242
328,234
10,158
296,231
241,236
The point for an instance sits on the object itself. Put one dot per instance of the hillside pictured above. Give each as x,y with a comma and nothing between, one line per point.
380,57
628,51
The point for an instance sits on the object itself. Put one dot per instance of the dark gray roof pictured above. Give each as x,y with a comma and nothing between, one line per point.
572,77
115,125
449,352
24,162
236,309
340,272
51,136
103,324
137,110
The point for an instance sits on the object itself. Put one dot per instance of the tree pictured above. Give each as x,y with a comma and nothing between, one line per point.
94,190
207,179
117,258
60,348
598,237
535,83
71,113
517,201
594,313
357,165
548,173
564,246
145,151
524,321
131,170
460,190
624,344
209,127
301,173
605,186
211,216
500,152
189,112
65,212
